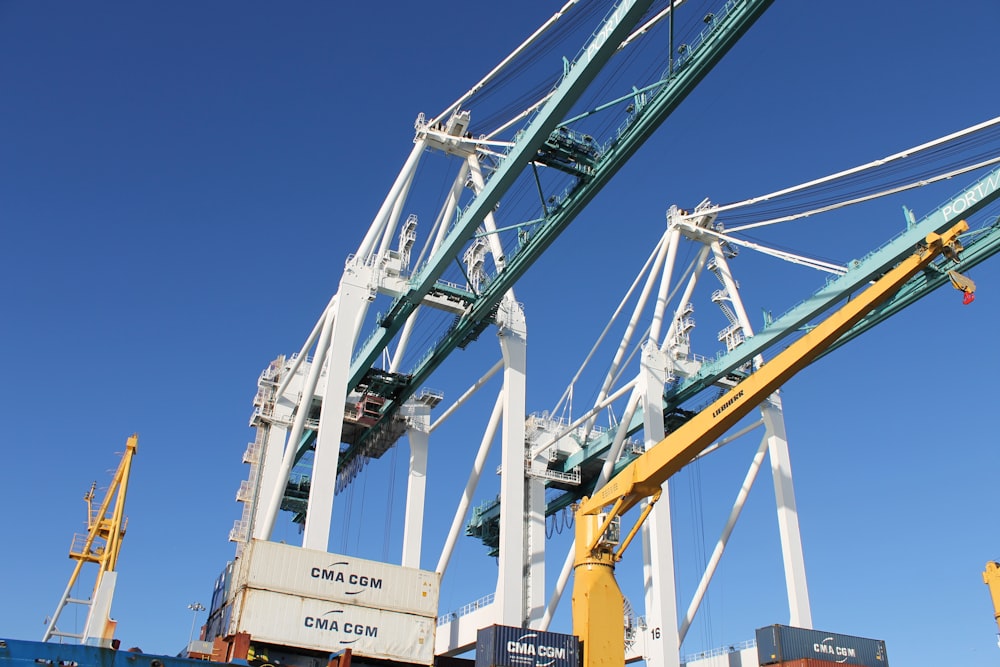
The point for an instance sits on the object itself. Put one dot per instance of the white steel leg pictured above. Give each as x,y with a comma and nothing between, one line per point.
352,303
788,517
274,495
510,592
662,646
419,418
535,543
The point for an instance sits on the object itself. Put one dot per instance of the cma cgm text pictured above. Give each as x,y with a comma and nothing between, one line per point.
337,576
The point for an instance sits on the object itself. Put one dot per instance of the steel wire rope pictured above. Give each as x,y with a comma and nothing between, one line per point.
391,488
607,327
432,329
951,147
510,66
830,204
657,66
607,79
557,521
885,188
698,531
420,338
654,71
539,90
633,54
609,410
366,472
605,122
515,208
565,30
819,198
431,233
348,510
518,103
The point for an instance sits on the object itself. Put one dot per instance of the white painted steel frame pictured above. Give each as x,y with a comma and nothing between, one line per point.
518,598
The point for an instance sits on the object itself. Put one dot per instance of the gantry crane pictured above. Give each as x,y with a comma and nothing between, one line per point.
549,139
101,545
980,246
597,601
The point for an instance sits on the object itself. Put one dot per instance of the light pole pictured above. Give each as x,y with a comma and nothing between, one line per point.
194,607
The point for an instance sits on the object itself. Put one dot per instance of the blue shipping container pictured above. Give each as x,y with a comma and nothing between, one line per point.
782,643
504,646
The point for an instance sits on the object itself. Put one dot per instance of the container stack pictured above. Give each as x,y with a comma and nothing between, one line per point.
506,646
288,596
785,646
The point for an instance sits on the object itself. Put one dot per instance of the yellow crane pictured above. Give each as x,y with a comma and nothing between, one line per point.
991,577
597,601
101,545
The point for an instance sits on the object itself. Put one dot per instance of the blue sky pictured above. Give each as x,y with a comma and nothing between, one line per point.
181,182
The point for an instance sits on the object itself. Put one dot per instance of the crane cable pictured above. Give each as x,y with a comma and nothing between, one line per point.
853,171
858,200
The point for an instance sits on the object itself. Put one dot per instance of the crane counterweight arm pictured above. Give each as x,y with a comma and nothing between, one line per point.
597,600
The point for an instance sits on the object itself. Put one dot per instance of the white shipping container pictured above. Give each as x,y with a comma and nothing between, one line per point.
295,621
324,576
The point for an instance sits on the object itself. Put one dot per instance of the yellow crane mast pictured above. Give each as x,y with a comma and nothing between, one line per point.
101,545
991,577
597,600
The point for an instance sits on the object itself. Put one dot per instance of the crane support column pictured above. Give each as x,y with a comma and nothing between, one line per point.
417,432
534,563
353,297
662,645
511,584
800,613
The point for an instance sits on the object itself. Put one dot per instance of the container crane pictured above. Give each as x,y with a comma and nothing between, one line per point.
545,140
597,600
978,247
